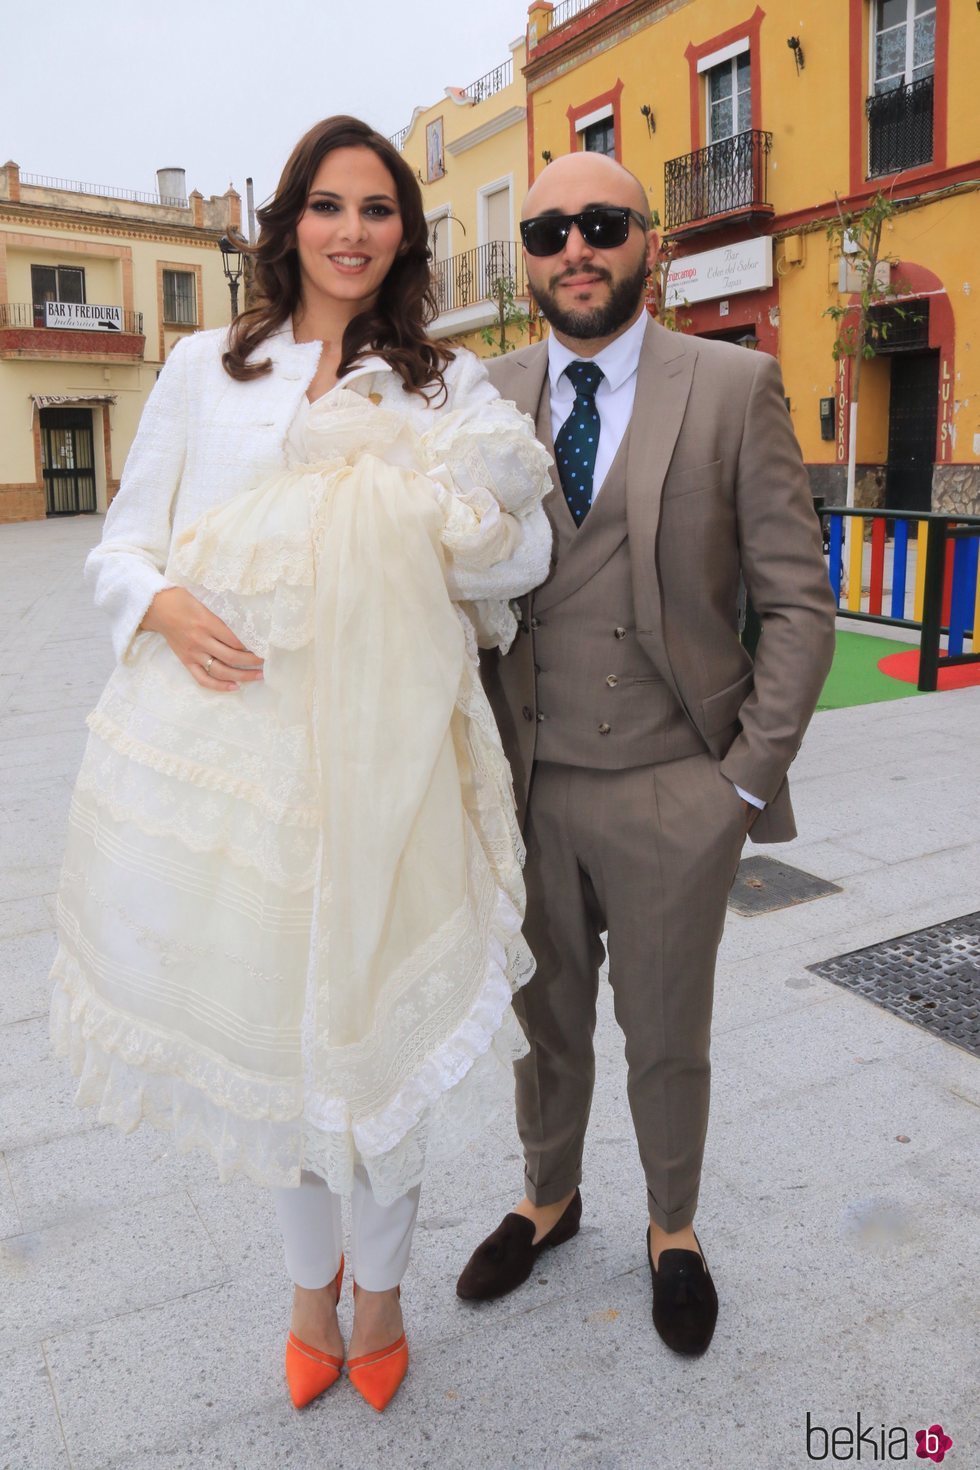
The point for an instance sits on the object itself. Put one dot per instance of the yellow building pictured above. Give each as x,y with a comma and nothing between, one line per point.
746,123
469,151
96,285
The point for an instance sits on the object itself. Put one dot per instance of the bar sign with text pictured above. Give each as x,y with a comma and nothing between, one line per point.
82,317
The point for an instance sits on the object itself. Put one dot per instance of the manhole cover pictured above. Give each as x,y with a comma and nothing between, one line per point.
763,884
931,978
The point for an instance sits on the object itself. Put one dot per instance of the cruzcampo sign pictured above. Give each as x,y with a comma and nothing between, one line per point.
746,266
81,317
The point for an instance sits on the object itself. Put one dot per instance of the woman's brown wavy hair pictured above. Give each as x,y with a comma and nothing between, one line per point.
395,327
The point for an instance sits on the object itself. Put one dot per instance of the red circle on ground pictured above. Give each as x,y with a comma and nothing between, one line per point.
905,666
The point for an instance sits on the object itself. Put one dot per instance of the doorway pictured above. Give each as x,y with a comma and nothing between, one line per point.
68,460
912,413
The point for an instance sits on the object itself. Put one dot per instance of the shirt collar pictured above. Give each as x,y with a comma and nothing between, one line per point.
618,361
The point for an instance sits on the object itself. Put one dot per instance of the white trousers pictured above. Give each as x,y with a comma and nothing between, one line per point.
312,1231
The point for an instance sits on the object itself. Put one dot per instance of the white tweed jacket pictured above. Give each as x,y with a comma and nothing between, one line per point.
204,437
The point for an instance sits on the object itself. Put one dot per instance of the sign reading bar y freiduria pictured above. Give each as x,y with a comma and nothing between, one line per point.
82,317
746,266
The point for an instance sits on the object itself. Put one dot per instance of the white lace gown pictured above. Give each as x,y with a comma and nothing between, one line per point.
289,918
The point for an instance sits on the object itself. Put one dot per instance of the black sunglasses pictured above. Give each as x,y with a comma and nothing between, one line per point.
603,227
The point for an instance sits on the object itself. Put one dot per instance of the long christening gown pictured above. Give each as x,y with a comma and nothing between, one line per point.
290,917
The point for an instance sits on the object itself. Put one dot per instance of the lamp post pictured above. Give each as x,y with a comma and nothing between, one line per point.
233,259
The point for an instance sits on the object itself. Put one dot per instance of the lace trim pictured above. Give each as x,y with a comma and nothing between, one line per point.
133,1073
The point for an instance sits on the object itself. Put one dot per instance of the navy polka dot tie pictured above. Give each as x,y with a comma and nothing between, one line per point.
578,440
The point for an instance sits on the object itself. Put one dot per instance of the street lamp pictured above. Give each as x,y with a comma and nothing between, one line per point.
233,260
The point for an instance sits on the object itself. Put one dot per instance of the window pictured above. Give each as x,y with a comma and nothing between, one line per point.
729,98
904,42
180,298
900,108
600,137
55,283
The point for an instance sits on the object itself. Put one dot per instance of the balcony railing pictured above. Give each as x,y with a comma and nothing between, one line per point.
567,9
31,315
474,276
102,191
491,81
726,177
397,140
900,128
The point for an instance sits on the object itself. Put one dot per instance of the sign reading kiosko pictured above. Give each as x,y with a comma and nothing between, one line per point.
82,317
746,266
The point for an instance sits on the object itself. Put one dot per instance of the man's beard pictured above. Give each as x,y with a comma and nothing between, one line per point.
595,321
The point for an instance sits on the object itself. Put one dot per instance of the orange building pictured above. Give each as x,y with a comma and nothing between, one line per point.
747,123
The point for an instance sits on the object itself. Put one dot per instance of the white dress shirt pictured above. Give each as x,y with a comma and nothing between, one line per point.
614,395
614,403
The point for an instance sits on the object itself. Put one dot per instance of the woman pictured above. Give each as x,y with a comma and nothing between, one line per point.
291,903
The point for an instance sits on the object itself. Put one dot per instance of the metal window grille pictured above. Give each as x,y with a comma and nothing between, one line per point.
900,128
180,298
902,328
725,176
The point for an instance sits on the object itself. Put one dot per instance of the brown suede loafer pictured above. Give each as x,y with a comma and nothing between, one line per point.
506,1258
685,1303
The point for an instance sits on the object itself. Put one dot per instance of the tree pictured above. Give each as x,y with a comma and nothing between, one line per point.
509,315
858,330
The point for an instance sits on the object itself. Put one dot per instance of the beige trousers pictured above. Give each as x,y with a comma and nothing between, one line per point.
648,854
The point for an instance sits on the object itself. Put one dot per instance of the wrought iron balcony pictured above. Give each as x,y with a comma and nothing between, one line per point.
475,275
491,82
567,9
900,128
31,314
726,178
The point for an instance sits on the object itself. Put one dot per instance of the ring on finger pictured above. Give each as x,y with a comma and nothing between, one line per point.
208,663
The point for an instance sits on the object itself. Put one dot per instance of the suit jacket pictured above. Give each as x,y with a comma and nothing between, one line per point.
716,488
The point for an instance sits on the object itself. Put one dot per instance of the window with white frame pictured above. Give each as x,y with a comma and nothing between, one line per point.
904,42
729,96
180,298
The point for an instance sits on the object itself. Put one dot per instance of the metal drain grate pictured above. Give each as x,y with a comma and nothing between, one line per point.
931,978
764,884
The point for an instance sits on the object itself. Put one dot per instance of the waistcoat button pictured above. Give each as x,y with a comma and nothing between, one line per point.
620,632
604,728
611,680
535,622
540,717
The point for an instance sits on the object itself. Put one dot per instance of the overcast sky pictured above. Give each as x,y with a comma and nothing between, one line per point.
111,90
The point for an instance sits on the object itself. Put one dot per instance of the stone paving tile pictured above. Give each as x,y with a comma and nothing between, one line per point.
11,1222
36,1090
30,1434
25,962
23,916
103,1264
99,1170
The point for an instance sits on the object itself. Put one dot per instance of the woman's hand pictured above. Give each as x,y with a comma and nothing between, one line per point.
204,644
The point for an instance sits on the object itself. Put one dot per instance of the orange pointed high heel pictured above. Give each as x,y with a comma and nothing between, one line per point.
308,1371
378,1376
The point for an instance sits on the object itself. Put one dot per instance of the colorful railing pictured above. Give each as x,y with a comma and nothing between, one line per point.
931,562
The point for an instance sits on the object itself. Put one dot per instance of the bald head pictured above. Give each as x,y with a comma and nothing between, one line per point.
576,180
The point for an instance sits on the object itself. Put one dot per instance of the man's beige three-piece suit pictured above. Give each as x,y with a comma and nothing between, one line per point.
629,710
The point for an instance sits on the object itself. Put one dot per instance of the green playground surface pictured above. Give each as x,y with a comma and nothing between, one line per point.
855,678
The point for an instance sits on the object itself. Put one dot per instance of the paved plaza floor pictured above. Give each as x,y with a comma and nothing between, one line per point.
143,1306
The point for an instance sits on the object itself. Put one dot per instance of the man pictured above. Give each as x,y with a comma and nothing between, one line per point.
643,739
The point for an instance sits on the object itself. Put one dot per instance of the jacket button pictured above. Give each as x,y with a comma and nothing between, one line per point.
535,622
604,728
611,680
620,632
540,717
527,712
